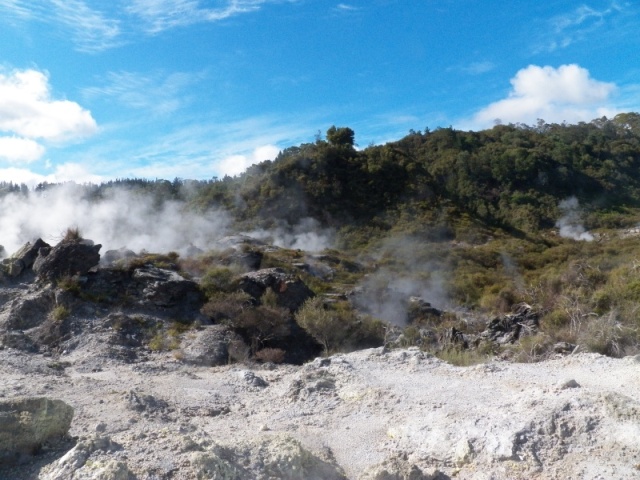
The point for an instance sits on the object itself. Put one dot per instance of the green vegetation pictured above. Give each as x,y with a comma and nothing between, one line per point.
471,218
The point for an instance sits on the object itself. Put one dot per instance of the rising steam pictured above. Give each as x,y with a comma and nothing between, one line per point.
138,221
570,223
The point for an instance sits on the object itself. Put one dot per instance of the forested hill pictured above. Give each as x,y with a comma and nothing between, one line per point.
511,176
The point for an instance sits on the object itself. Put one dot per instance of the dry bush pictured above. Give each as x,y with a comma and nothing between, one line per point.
263,324
607,335
72,234
270,355
227,306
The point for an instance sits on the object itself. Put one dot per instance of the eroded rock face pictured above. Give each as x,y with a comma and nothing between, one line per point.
291,291
27,423
30,310
278,457
68,258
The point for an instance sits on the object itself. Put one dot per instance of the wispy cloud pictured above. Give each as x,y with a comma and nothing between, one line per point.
158,92
575,26
567,93
160,15
91,30
108,25
345,7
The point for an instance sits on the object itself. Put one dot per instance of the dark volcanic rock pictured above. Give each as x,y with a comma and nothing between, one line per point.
68,258
291,291
112,256
511,327
166,288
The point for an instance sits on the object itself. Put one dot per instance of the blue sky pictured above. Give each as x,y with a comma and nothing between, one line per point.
93,90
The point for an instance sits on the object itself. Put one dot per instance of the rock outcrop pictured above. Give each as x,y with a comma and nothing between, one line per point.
24,258
290,290
27,423
66,259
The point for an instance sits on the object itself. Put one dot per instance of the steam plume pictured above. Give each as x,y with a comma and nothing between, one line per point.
570,223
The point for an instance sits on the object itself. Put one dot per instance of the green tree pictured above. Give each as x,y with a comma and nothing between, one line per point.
343,136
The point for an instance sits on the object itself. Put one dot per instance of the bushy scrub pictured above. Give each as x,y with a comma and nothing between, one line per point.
337,327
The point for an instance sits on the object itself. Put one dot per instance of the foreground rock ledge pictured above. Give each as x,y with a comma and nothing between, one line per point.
27,423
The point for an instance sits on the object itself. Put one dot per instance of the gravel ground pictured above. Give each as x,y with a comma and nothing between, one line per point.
362,414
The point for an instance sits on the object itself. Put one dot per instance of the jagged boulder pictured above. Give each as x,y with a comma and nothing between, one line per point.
24,258
509,328
27,423
291,291
166,288
68,258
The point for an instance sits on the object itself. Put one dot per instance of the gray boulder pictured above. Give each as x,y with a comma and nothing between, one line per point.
209,346
166,288
27,423
24,258
68,258
30,310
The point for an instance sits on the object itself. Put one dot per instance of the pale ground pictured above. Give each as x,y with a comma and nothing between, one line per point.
492,421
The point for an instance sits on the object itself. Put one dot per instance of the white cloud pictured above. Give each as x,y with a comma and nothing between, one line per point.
346,7
567,93
91,30
20,150
27,109
236,164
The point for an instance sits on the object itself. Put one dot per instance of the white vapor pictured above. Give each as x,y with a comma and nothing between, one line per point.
121,219
306,235
570,224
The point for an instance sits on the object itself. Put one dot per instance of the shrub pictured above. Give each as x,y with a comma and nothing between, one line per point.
217,280
606,335
168,338
227,306
60,313
263,324
272,355
322,324
72,234
69,283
